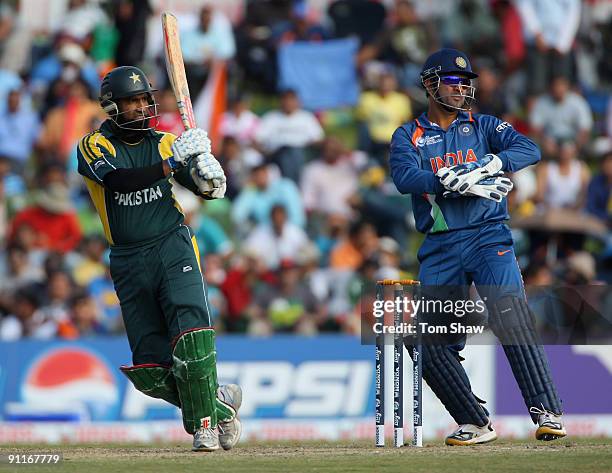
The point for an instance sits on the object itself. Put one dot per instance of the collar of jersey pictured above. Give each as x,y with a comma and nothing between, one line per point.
425,123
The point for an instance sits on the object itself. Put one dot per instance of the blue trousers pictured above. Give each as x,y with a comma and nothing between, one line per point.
482,255
450,263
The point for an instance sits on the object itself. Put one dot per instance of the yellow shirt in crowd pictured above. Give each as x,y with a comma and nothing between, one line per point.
383,114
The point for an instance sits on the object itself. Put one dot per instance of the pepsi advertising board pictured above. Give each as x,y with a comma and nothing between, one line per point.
286,377
294,388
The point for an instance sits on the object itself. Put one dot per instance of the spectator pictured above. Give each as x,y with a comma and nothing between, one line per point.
211,40
59,288
91,265
361,244
65,64
215,275
244,277
286,133
549,28
276,241
26,320
81,19
405,44
563,183
239,122
65,124
7,19
299,27
169,116
26,238
378,202
599,194
103,293
313,274
560,115
471,26
236,161
328,182
361,18
9,81
256,54
389,256
211,237
15,38
19,129
3,211
17,270
521,199
84,318
131,18
490,96
289,306
255,201
513,49
14,186
332,230
53,219
579,269
381,112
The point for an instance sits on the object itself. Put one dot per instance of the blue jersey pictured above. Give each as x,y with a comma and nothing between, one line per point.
420,148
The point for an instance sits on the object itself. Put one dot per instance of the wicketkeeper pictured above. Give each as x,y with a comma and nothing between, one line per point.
154,262
452,162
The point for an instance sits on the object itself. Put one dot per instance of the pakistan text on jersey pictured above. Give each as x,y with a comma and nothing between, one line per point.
144,196
452,159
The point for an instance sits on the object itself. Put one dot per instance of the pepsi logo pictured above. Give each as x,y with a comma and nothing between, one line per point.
71,378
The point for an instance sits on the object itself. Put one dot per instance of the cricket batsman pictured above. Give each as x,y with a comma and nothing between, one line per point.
154,260
452,162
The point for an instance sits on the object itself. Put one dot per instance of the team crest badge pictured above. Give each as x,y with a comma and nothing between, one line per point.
461,62
466,129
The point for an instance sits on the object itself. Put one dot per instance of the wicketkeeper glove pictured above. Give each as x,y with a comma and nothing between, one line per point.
208,175
493,188
462,177
191,143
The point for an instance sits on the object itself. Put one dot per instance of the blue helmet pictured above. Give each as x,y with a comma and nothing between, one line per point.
447,61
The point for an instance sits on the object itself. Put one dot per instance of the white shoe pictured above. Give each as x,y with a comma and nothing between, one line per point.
470,434
205,440
550,425
230,431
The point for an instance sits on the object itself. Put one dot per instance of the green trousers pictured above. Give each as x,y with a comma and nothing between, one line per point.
162,294
165,311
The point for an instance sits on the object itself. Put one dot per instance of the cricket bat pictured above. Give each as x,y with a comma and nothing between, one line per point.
176,69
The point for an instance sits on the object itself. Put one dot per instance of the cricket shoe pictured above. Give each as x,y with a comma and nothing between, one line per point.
205,440
550,425
230,431
470,434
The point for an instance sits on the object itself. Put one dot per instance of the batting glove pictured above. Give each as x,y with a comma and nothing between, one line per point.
191,143
494,188
208,175
462,177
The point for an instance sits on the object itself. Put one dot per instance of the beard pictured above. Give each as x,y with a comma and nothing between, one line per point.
137,123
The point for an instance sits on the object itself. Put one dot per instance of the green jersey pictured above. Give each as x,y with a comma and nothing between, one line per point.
136,218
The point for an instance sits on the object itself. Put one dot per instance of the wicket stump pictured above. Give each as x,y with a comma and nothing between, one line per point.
398,364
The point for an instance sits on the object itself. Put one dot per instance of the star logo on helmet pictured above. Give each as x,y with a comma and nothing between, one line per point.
461,62
135,77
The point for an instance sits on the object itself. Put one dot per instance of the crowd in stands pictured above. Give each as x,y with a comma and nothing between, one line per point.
310,212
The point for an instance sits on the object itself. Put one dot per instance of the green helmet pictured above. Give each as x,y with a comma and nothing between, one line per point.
123,82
